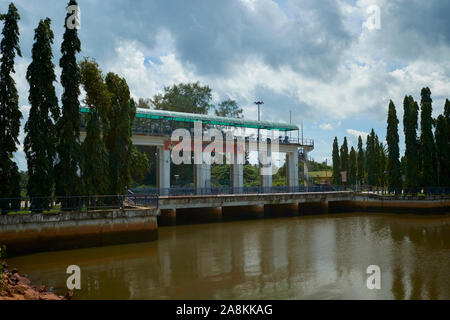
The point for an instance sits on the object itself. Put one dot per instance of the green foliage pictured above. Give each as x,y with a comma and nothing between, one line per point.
229,108
40,128
336,163
95,158
352,164
118,136
251,176
140,165
2,257
427,146
360,162
393,163
68,147
410,119
190,98
443,151
344,157
10,114
371,167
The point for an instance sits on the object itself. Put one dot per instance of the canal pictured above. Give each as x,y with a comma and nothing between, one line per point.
313,257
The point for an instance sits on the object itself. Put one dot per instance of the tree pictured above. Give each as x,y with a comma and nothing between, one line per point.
410,117
371,159
118,136
352,167
68,162
95,158
10,114
336,163
344,157
427,146
360,162
229,108
380,163
190,98
40,128
144,103
443,151
393,164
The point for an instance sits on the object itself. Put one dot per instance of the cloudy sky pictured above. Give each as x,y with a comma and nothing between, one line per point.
319,59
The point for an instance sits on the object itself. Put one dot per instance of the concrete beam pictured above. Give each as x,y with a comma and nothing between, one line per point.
163,170
292,169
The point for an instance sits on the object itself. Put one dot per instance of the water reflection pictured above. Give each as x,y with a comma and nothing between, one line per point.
318,257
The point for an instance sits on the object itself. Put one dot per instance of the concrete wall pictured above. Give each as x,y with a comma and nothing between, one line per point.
23,234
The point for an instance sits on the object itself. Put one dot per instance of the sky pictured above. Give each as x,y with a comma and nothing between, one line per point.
322,60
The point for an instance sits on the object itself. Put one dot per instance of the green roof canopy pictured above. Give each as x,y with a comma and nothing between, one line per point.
221,121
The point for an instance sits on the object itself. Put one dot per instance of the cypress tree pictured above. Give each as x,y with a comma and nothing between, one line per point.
95,159
10,114
381,165
336,163
393,163
344,157
360,162
443,151
410,117
427,146
118,137
68,148
371,159
447,121
352,167
40,128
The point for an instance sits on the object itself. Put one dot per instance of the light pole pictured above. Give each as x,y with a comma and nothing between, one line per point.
259,103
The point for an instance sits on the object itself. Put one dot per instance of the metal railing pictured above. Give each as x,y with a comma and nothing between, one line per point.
77,203
174,192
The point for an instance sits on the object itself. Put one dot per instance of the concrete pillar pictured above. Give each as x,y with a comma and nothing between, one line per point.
292,169
305,168
237,172
163,171
202,178
265,171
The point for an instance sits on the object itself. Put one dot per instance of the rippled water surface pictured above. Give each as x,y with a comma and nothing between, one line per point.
318,257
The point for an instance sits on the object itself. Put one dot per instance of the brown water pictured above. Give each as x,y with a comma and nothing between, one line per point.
320,257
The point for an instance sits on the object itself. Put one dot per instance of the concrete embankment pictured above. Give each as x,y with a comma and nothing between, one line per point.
23,234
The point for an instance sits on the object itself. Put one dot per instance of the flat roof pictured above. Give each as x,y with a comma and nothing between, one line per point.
222,121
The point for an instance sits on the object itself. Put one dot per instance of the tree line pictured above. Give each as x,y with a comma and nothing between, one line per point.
425,163
58,163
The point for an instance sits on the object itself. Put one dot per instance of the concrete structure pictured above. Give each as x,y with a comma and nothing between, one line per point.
23,234
154,128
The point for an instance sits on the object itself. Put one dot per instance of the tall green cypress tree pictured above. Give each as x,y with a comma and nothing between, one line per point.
118,137
410,118
360,162
40,128
336,163
381,164
67,166
447,121
371,159
393,163
427,146
443,151
10,114
344,157
95,159
352,167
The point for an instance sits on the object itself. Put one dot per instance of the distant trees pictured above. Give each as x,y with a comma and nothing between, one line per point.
352,167
393,163
10,114
229,108
426,162
40,129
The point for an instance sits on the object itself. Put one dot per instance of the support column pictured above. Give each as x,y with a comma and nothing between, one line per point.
292,170
237,173
305,168
265,171
202,178
163,171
